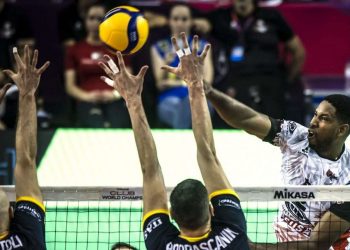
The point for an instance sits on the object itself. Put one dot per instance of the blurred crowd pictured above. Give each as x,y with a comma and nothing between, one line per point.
256,58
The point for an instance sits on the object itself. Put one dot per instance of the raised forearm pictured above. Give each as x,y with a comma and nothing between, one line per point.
26,134
201,120
144,140
210,167
238,115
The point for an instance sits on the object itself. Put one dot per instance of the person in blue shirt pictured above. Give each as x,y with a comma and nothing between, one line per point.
173,104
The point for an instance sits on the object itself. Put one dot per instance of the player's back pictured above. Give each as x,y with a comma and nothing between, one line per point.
228,228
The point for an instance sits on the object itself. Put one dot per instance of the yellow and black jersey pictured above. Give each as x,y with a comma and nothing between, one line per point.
27,229
228,228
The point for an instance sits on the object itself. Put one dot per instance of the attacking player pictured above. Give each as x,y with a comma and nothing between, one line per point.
24,229
311,156
202,225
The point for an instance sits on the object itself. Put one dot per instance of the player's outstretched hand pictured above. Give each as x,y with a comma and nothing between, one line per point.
129,86
3,90
27,77
191,66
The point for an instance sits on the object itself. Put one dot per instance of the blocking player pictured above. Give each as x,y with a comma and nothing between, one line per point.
311,156
201,226
24,229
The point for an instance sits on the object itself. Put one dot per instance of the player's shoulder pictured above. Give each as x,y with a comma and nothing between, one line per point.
293,128
30,207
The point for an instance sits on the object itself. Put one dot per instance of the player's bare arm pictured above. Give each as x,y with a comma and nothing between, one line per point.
130,88
238,115
190,70
3,91
325,233
27,79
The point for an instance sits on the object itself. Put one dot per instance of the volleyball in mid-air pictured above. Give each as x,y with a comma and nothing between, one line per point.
124,29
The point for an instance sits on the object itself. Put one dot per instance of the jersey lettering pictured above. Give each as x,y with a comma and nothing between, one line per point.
221,241
13,242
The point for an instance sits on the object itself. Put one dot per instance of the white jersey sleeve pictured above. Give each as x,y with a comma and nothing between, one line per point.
287,135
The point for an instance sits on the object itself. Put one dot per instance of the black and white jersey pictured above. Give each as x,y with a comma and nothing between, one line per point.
301,165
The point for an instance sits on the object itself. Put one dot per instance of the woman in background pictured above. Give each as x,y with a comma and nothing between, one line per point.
173,103
97,104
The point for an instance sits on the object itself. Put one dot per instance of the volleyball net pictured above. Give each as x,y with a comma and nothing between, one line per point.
98,217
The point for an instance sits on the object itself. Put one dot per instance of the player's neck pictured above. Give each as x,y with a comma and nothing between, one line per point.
332,153
93,40
196,233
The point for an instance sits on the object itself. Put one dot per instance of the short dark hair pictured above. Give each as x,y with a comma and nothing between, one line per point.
122,244
190,204
341,103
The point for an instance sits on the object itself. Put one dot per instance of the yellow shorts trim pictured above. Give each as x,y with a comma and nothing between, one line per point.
223,191
32,200
153,212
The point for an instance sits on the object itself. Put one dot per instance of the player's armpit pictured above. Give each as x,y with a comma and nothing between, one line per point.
212,172
238,115
154,193
27,183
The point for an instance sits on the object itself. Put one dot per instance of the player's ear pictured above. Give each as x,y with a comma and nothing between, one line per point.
343,130
11,213
211,209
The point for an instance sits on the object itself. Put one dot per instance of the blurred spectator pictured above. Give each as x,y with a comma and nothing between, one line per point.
14,31
258,75
71,19
173,102
122,246
97,103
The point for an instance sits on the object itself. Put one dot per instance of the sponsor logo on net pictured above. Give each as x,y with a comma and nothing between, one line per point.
121,194
287,194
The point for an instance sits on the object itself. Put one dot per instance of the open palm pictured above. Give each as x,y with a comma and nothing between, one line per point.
191,66
27,77
128,85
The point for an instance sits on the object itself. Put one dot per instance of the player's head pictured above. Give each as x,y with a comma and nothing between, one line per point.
94,16
331,122
190,205
244,8
5,212
180,19
122,246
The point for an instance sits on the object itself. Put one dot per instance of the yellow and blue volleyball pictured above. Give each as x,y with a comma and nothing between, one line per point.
124,29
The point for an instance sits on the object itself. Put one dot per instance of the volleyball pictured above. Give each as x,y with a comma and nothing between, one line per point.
124,29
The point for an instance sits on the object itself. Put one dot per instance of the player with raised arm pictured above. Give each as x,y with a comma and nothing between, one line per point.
24,229
311,156
201,226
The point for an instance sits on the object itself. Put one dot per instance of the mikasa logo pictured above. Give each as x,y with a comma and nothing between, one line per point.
285,194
